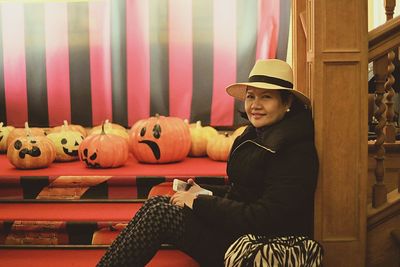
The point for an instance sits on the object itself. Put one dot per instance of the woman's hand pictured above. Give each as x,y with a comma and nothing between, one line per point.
195,188
182,198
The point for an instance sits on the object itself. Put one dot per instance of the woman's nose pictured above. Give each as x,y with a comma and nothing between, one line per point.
256,103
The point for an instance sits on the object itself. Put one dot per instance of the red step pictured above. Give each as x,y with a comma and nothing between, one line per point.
69,257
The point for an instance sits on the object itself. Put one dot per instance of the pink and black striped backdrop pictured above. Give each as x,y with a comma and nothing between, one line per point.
124,60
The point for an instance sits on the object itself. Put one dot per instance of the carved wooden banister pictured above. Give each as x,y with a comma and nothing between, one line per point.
382,41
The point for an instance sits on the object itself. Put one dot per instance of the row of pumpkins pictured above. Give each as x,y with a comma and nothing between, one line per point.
158,139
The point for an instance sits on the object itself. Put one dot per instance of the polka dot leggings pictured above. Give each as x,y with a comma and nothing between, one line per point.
156,222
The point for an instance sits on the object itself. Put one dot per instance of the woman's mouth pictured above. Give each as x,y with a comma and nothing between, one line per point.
257,115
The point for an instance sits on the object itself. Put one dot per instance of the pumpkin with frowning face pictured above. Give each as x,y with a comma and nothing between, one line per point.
160,139
4,133
18,132
31,152
67,144
103,150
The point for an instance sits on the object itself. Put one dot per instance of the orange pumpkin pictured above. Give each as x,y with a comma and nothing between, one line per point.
18,132
238,131
69,127
31,152
160,139
4,133
103,150
218,148
199,137
108,125
111,128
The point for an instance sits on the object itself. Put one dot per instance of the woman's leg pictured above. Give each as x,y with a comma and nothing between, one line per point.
156,222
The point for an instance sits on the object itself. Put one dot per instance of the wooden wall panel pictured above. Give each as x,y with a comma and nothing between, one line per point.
336,78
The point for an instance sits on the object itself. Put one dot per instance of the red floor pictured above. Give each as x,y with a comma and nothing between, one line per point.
68,211
81,258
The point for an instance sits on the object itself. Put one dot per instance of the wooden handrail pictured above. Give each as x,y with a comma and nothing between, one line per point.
383,39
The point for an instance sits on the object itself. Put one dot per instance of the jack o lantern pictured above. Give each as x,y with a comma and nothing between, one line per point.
200,136
67,144
107,125
111,128
103,150
70,127
218,148
238,131
160,139
4,133
31,152
18,132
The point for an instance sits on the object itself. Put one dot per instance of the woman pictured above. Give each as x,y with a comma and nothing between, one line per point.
272,172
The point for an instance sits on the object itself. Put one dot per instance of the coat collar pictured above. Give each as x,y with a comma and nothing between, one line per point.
291,129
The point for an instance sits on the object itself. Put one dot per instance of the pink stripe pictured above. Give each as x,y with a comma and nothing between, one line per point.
100,60
222,107
180,58
14,63
138,60
57,63
268,29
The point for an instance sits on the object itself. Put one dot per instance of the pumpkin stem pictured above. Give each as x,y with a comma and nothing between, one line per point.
198,124
27,129
226,134
65,123
102,127
157,115
1,124
186,121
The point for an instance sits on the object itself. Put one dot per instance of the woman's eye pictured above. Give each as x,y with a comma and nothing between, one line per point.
249,96
266,96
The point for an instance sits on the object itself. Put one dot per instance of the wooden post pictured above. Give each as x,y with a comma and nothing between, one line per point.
337,59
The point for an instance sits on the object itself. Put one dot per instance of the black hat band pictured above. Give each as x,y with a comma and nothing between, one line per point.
271,80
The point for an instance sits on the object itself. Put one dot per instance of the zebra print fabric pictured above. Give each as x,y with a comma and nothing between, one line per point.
258,251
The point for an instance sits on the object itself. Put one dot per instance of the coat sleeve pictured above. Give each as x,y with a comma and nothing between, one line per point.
288,193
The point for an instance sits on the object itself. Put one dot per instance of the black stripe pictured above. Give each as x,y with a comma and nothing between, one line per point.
79,60
33,185
284,20
3,114
159,69
202,61
80,233
145,183
271,80
35,56
118,63
246,45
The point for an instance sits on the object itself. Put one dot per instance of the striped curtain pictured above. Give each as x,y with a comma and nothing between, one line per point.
125,60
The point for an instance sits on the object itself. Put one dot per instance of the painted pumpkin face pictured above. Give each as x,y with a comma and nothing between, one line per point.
103,151
22,132
67,144
160,139
31,152
4,133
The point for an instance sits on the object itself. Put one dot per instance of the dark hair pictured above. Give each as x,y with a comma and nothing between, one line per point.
296,107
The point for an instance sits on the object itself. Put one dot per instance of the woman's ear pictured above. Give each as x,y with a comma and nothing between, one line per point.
289,103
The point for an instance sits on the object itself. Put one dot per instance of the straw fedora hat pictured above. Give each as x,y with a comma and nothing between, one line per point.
268,74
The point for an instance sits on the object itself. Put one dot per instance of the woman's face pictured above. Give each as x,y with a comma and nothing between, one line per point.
264,107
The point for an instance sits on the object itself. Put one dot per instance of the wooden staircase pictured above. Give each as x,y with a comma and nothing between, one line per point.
54,220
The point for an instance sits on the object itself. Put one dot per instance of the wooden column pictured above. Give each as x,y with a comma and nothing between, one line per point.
337,48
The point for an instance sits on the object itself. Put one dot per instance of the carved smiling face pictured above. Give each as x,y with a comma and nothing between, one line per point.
67,144
4,133
31,152
160,139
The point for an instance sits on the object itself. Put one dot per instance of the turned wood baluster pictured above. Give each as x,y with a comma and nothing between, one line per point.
379,191
390,129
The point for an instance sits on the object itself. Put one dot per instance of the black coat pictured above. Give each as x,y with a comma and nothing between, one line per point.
272,175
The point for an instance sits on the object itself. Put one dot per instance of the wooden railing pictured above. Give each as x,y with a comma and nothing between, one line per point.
384,42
